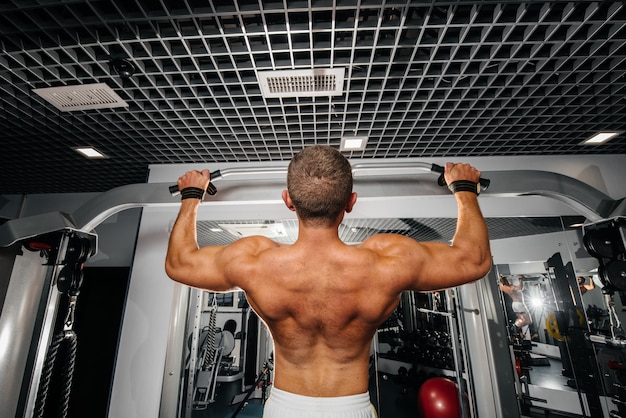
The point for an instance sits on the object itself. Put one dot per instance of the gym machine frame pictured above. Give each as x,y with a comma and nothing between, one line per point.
583,198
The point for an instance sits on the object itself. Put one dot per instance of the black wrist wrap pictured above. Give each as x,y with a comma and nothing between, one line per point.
464,186
192,193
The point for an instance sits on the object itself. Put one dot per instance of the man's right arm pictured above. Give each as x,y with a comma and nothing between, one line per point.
591,284
217,268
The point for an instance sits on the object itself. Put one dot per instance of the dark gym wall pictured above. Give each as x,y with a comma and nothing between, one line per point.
98,318
7,258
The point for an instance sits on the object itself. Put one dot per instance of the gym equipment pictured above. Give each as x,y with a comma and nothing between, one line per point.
423,335
217,174
439,397
617,332
558,323
211,356
69,281
218,344
568,324
614,272
484,183
211,189
586,200
263,380
47,352
606,241
208,360
601,242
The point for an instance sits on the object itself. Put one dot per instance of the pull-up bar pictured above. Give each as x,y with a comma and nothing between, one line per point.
356,170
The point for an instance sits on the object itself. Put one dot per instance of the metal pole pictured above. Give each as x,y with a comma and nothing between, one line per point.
455,336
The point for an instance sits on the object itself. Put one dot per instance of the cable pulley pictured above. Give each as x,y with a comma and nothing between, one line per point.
59,365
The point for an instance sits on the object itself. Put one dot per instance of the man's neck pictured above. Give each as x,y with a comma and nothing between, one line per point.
318,235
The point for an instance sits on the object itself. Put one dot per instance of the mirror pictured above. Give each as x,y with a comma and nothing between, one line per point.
551,304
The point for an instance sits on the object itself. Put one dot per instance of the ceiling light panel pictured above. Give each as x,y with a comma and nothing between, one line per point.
89,152
601,138
353,143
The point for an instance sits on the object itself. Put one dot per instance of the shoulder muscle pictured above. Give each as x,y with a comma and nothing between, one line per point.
242,256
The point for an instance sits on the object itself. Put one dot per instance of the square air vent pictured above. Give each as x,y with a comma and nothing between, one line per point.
302,83
81,97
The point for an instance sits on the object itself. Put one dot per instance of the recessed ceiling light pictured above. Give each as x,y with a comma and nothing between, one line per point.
601,137
90,152
356,143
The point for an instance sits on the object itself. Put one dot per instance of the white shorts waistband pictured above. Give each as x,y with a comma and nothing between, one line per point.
283,403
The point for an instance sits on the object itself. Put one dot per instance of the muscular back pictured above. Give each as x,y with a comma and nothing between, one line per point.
322,307
321,299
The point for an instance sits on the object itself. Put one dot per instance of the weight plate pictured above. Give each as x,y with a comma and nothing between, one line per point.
615,273
581,316
553,327
599,243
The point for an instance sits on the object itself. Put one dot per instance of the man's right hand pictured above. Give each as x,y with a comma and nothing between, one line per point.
460,171
195,178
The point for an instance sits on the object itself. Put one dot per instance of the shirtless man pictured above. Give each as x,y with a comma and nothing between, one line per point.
584,286
517,296
321,299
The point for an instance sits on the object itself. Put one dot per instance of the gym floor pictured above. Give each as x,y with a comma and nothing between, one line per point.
225,405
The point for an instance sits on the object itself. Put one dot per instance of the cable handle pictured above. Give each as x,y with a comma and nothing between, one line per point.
211,189
484,183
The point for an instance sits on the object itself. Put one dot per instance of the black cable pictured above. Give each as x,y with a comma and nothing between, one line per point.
62,348
46,376
264,372
70,343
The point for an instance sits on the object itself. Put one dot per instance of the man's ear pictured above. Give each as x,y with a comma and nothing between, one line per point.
287,200
351,202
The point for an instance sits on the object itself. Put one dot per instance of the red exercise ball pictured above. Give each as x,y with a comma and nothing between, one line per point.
438,397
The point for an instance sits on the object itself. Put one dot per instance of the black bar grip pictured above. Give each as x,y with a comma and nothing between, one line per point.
211,189
484,183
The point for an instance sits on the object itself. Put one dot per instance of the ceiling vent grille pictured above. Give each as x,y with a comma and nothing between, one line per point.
302,83
81,97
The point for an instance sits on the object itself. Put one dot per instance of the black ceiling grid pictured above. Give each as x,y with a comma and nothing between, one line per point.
422,79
